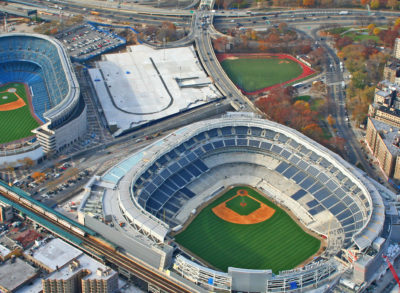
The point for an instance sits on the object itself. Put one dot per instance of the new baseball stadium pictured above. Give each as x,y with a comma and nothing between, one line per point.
240,203
40,106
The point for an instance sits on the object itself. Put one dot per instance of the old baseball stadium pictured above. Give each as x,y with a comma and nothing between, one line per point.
41,110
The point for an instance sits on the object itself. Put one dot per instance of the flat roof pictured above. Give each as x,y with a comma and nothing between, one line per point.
85,263
56,253
4,251
34,287
13,275
388,133
146,84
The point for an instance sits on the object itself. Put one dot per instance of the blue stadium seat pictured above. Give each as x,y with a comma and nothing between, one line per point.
199,164
187,192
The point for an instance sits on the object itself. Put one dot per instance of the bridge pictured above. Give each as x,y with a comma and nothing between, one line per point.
206,4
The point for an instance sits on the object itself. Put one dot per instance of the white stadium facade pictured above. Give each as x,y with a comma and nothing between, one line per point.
155,191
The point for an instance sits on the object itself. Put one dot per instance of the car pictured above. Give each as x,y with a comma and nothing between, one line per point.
264,17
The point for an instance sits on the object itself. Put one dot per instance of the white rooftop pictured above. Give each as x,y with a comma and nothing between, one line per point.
145,84
13,275
4,251
56,253
85,263
34,287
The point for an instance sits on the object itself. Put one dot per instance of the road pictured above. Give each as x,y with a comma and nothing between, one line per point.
201,31
205,24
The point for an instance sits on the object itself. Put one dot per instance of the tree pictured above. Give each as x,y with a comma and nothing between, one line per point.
331,121
376,31
308,3
220,43
326,3
359,79
283,27
38,176
364,2
375,4
314,131
343,42
397,22
393,4
371,27
10,168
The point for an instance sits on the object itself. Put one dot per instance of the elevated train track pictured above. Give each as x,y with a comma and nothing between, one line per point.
88,241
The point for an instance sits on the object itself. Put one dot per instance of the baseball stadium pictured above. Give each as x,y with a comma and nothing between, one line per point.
239,203
39,97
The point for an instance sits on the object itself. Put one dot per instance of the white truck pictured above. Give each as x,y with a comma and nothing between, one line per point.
343,12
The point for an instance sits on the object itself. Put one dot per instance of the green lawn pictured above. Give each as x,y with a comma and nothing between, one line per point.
357,36
303,98
338,30
277,243
18,123
254,74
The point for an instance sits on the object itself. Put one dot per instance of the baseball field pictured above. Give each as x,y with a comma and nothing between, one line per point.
243,229
16,114
254,73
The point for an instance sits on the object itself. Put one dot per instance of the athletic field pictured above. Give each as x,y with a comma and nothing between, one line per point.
255,74
16,119
243,229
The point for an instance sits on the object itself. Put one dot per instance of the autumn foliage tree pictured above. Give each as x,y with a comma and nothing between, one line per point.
371,27
308,3
38,176
392,4
331,121
375,4
280,106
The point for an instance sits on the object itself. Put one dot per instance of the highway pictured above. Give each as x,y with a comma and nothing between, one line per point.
202,36
206,24
201,31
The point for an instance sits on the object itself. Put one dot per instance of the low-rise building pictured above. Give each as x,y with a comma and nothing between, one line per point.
71,270
83,274
391,72
14,274
52,255
6,212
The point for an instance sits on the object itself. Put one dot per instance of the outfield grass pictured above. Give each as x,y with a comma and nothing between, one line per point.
255,74
18,123
277,243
